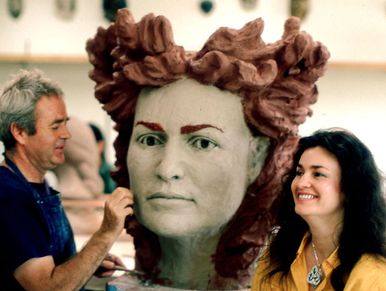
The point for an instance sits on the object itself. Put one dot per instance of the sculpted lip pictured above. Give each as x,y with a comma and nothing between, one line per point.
168,196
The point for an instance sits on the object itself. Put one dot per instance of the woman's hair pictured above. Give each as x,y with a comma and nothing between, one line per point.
276,83
364,222
18,102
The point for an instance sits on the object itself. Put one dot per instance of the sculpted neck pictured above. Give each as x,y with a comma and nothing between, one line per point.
186,262
31,171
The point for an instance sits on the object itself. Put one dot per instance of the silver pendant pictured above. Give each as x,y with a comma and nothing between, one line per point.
315,276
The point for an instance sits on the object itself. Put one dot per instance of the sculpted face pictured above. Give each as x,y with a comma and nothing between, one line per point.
191,158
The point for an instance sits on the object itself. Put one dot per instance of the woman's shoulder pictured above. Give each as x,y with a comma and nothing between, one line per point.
373,261
368,274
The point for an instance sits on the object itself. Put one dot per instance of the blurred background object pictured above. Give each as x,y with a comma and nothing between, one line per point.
78,179
65,9
110,8
300,8
15,7
206,6
249,4
78,176
104,167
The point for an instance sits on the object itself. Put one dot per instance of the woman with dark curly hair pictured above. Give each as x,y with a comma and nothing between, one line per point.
331,225
204,139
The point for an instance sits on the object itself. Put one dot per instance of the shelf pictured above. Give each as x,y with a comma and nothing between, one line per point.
82,59
371,66
46,59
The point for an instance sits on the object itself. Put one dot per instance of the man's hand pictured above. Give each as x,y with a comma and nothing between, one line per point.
108,266
117,207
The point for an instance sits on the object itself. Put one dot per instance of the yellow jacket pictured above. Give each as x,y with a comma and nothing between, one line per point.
369,273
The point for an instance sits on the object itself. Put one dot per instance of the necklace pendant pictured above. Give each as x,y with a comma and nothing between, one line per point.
315,276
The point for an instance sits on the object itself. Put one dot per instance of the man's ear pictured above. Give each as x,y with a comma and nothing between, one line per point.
258,151
18,133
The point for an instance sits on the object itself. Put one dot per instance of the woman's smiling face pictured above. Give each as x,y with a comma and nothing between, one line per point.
316,186
189,158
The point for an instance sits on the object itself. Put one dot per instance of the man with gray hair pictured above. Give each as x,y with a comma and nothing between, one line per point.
38,250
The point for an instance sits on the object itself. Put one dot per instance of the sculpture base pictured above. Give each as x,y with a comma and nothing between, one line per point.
131,283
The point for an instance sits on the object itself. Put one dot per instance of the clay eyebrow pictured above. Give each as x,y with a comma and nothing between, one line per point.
151,125
184,129
193,128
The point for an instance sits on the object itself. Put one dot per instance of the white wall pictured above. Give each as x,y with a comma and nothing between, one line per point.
353,30
356,100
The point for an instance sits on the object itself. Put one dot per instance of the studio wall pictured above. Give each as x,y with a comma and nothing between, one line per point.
352,93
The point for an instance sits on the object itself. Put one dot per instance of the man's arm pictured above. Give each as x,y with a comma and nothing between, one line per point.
42,274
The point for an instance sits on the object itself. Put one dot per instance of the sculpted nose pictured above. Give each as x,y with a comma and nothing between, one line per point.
170,166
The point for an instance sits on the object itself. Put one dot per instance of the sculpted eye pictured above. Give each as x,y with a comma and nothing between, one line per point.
150,140
203,143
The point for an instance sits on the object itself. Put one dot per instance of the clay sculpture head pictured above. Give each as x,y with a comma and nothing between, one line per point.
204,139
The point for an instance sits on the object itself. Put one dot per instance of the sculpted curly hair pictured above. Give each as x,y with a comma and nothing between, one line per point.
276,83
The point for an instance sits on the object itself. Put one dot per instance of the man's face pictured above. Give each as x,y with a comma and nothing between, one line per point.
188,158
45,148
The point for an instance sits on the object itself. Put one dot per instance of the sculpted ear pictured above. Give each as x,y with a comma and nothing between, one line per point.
257,155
